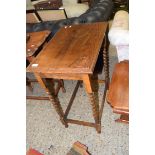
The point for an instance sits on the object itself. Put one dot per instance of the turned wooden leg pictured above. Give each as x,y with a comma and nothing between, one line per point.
95,109
52,97
93,102
95,88
106,59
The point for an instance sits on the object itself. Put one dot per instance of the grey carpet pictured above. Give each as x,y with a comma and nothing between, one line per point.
46,134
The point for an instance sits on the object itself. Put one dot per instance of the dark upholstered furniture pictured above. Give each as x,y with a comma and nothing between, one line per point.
100,10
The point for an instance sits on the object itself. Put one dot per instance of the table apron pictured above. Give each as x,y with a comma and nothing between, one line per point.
62,76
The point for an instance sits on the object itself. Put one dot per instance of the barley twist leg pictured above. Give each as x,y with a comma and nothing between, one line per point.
49,88
93,101
106,60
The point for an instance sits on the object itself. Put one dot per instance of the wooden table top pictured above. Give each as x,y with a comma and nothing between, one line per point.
118,94
74,49
35,41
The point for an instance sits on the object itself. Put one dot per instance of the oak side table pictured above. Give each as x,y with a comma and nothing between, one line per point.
72,54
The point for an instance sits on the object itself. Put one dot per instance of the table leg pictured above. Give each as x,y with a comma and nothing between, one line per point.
106,60
53,98
94,104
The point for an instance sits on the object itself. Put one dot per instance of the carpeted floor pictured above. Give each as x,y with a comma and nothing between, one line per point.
46,134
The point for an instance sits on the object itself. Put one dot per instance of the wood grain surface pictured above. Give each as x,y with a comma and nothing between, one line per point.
118,95
74,54
36,39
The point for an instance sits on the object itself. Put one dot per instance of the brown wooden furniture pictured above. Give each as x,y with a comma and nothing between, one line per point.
72,54
118,94
48,4
42,15
78,149
52,14
35,42
32,16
